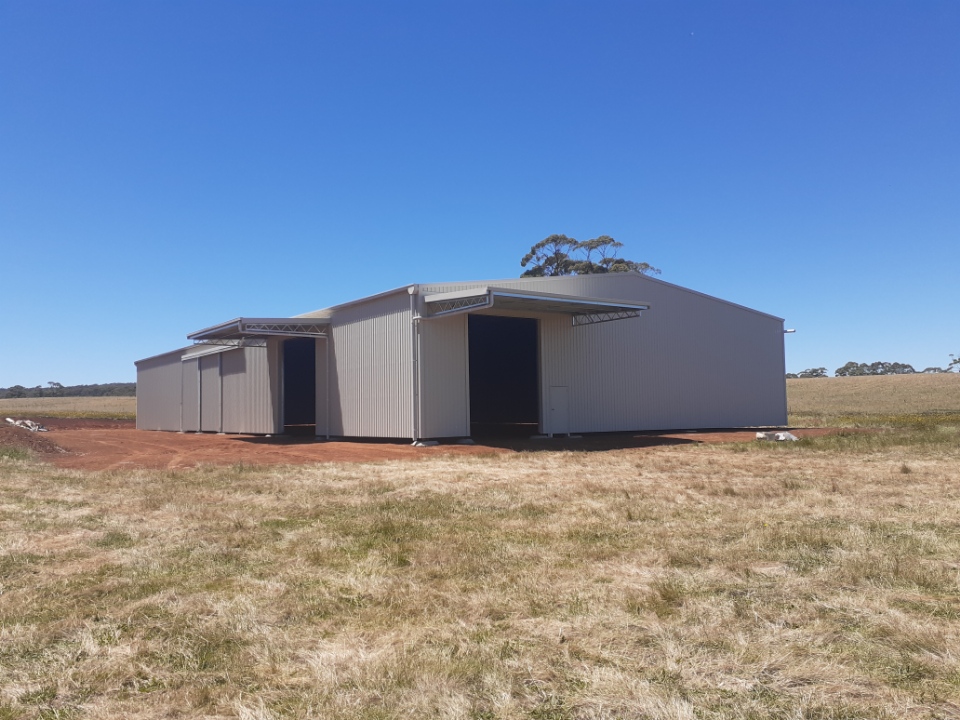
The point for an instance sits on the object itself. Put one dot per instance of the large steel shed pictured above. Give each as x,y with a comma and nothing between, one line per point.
558,355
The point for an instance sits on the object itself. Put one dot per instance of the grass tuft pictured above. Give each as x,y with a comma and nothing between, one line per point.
12,453
115,539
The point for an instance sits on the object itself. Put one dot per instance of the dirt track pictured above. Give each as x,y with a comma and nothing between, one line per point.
117,444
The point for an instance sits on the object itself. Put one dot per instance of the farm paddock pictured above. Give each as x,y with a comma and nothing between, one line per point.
670,580
816,579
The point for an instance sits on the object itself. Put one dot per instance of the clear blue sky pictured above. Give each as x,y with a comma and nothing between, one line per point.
165,166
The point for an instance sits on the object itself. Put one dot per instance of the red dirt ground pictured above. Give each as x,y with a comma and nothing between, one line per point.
117,444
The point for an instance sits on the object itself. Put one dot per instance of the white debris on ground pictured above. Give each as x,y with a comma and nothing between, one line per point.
777,436
27,425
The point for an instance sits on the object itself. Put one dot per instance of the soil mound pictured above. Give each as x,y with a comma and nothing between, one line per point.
21,439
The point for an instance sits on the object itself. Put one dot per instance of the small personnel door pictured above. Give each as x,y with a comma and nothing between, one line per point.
559,414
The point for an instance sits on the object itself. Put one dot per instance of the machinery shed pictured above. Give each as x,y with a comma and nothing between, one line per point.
528,356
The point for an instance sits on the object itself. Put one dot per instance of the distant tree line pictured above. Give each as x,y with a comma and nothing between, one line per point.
55,389
809,373
854,369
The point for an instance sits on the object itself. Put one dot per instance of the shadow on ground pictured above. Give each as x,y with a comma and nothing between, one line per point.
523,442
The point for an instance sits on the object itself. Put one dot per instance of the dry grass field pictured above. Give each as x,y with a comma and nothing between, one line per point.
817,579
70,407
861,400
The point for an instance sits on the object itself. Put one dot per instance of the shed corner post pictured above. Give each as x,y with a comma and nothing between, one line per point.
414,290
783,372
326,363
220,382
179,429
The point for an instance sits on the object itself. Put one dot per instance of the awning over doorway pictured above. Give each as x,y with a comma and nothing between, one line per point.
583,310
238,331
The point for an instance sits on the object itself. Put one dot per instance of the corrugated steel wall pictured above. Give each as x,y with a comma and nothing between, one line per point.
190,394
691,361
248,390
370,377
710,364
233,391
321,380
210,408
158,392
599,365
444,377
235,376
274,370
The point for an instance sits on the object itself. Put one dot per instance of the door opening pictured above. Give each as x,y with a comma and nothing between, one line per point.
300,386
558,422
504,376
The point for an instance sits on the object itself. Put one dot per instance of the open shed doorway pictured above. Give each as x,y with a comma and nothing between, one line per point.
504,376
300,386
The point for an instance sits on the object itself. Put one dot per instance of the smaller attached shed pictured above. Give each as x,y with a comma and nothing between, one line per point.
590,353
231,380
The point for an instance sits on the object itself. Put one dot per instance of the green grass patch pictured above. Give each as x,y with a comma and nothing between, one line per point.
915,421
12,453
115,539
875,433
88,415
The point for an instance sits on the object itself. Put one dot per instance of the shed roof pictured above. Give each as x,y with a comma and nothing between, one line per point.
431,288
